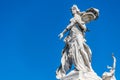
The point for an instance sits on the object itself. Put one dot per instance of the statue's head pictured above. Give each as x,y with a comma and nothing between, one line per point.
74,9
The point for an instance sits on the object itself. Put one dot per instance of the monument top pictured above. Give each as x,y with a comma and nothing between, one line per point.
76,52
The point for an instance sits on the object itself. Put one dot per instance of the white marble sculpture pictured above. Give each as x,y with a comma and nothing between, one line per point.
76,52
110,75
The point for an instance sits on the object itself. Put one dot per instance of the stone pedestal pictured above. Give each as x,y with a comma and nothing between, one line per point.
79,75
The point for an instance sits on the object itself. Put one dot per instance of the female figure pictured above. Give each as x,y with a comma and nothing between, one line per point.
76,51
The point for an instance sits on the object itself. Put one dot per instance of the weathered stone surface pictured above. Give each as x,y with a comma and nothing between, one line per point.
79,75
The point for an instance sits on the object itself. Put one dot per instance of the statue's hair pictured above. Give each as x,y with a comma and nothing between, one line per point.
75,6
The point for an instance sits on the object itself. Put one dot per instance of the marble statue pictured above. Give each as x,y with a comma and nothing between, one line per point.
110,75
76,52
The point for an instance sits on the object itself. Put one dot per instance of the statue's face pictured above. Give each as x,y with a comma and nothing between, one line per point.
74,10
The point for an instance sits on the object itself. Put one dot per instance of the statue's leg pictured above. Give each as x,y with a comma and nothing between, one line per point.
65,65
81,58
88,51
85,58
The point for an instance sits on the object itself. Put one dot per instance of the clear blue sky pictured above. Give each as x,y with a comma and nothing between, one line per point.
29,45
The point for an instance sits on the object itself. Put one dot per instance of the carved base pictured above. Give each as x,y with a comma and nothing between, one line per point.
79,75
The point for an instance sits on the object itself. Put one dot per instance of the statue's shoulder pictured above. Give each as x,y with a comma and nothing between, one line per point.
72,20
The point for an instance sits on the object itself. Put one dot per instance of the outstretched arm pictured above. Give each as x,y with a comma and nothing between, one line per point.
66,29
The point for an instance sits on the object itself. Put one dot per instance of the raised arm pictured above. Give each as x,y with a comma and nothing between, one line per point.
114,63
112,69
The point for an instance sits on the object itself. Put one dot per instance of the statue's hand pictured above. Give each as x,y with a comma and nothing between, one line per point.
109,67
60,35
112,54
